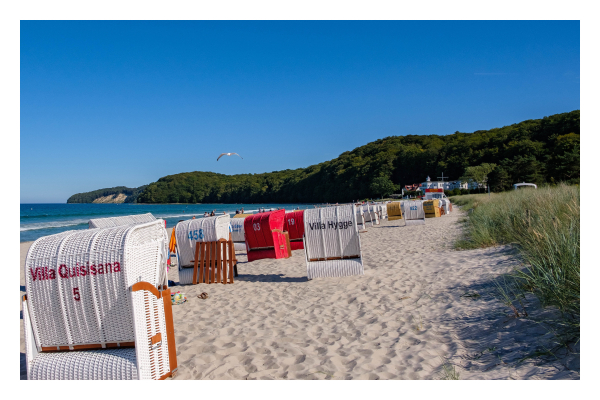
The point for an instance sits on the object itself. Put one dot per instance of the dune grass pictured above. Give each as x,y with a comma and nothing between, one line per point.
543,225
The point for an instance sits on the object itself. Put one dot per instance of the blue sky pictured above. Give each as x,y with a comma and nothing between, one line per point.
116,103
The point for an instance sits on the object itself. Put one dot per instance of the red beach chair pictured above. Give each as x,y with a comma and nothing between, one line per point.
294,226
265,236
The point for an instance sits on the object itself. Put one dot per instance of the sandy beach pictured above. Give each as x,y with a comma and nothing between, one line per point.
412,311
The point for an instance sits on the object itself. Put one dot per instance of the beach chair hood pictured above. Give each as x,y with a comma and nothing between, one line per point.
120,221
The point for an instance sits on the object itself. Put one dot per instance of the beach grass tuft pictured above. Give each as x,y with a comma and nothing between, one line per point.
544,225
449,372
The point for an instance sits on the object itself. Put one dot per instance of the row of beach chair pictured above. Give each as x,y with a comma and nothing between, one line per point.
98,305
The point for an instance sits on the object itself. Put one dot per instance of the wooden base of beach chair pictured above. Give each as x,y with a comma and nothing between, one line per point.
214,262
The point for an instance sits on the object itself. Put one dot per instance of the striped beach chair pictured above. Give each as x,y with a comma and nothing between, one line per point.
97,307
332,242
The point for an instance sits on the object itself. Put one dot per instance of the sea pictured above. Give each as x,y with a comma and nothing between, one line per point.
39,220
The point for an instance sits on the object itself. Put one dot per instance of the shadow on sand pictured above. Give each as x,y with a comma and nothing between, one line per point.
270,278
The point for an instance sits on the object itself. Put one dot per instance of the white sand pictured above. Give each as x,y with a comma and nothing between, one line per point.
398,321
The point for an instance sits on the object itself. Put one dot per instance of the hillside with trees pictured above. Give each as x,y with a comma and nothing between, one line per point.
89,197
537,151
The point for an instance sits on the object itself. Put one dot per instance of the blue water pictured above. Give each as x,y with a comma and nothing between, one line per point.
39,220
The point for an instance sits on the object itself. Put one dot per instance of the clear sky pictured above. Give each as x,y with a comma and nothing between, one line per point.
124,103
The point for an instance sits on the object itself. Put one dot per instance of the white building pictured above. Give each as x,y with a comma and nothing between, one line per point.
448,185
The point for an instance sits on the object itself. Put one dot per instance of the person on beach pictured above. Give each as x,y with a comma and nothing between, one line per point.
193,217
237,212
212,214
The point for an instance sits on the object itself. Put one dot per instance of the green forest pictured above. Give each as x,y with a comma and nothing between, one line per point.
541,151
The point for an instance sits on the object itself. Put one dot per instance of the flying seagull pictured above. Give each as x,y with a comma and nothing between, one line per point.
229,154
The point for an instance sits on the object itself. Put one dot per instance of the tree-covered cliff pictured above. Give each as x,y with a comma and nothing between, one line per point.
89,197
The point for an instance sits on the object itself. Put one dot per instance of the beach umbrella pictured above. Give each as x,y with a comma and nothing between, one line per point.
229,154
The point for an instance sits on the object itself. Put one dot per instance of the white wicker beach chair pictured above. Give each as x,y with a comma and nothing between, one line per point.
120,221
332,242
192,231
413,212
445,204
360,218
95,306
382,209
237,234
370,214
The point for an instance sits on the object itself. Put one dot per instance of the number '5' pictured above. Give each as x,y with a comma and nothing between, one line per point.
76,295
